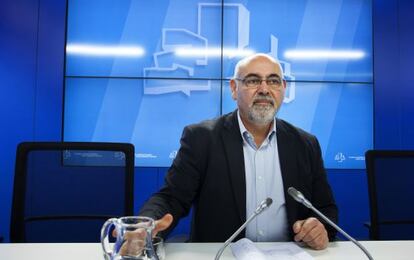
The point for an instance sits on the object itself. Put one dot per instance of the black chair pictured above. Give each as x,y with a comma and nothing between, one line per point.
391,194
64,191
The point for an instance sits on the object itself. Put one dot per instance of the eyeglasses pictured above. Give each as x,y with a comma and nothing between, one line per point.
255,82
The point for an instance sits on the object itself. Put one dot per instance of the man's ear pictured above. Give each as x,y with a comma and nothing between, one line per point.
233,88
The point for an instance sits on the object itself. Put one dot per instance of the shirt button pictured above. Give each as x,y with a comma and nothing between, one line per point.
261,232
260,177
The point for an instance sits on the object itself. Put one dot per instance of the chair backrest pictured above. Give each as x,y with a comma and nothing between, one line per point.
391,194
64,191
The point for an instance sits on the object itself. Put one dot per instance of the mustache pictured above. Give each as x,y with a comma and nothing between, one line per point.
262,98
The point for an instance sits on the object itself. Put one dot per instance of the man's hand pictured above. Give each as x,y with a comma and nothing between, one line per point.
134,241
162,223
312,232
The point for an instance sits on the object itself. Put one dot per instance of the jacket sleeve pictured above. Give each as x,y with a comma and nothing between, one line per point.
181,182
322,196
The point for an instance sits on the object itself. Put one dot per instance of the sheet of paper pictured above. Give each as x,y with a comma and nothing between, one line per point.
245,249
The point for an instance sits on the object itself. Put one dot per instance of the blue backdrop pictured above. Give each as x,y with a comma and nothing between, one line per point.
175,72
31,96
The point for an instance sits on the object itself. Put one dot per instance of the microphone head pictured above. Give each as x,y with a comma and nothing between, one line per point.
298,196
294,193
268,202
263,205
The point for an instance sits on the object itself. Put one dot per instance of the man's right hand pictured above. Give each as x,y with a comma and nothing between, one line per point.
162,223
134,241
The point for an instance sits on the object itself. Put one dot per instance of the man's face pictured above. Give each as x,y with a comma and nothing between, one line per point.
258,105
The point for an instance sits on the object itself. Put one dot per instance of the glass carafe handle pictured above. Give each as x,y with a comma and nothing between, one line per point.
108,253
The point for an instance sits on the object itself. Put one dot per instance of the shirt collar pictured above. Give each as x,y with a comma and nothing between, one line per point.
246,134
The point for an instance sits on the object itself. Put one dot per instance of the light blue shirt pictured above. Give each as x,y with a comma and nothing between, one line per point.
263,180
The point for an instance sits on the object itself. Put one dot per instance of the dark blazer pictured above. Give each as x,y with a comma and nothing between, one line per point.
208,172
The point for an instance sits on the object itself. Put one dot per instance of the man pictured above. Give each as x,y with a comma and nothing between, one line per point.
226,166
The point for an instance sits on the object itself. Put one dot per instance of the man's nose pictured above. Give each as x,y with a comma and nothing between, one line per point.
263,87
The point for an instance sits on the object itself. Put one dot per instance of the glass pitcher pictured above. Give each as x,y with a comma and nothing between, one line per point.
133,238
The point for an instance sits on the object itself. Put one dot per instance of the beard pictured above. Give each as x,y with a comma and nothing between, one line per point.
262,114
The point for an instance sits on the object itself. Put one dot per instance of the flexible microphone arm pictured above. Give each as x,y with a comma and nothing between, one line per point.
263,205
299,197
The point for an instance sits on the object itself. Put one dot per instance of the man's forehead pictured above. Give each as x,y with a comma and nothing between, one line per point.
259,63
261,67
262,75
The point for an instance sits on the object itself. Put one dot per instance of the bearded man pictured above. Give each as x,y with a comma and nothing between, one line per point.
226,166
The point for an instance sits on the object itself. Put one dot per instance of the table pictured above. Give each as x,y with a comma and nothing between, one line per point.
395,250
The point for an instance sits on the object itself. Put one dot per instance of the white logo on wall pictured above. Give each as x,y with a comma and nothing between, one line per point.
167,65
340,157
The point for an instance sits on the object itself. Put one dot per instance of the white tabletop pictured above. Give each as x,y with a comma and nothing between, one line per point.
395,250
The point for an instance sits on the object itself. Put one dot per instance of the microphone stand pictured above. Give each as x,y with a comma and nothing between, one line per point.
342,232
265,204
298,196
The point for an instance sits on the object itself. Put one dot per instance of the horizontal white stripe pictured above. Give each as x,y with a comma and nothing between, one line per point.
324,54
104,50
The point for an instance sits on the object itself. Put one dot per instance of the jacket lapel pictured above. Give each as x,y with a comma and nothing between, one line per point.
233,145
287,158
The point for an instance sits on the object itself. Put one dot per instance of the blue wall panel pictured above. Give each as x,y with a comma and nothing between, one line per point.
351,194
31,75
50,61
145,183
387,96
18,43
406,65
393,63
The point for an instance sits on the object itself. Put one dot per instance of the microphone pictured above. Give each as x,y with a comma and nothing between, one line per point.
263,205
299,197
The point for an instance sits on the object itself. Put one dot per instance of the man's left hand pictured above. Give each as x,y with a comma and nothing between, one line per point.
312,232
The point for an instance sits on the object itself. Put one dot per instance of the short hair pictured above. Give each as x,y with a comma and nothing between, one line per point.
243,62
